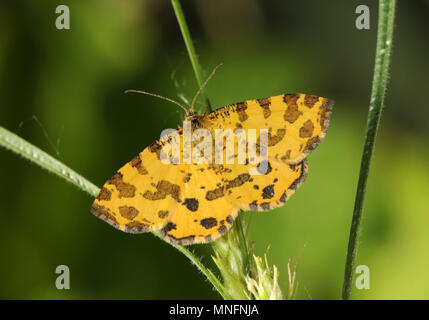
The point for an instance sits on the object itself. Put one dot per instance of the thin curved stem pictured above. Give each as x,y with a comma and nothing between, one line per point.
386,18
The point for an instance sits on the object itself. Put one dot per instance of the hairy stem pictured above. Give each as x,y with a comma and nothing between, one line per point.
386,17
30,152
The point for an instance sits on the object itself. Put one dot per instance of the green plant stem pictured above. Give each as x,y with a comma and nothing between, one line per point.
386,17
189,45
230,259
239,221
30,152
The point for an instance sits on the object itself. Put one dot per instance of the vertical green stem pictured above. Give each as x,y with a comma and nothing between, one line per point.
386,17
189,44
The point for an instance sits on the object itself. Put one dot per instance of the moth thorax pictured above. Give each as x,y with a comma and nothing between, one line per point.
195,119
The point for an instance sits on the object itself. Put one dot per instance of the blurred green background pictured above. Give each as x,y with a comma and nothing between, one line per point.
63,90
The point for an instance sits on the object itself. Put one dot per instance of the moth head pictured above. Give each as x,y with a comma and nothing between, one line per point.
194,118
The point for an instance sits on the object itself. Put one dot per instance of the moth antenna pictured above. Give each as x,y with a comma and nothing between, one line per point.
203,86
160,97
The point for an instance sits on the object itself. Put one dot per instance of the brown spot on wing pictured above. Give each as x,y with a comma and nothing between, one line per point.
222,229
137,163
136,227
265,105
162,214
104,194
170,226
128,212
274,139
156,148
164,188
253,205
310,100
292,113
291,98
126,190
238,181
187,178
191,204
312,143
241,111
215,194
268,192
209,223
286,156
306,131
